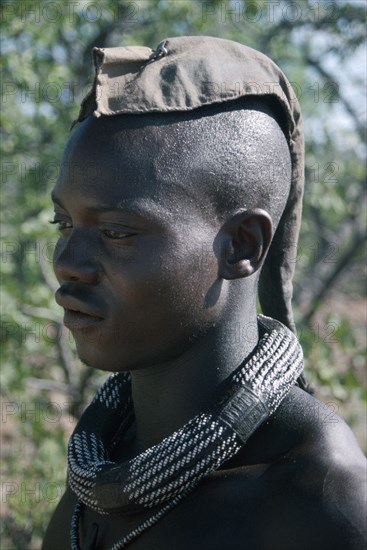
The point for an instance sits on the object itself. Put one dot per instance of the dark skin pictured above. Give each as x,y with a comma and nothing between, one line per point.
162,287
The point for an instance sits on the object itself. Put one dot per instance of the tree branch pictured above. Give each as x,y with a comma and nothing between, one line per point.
329,78
344,261
46,271
41,312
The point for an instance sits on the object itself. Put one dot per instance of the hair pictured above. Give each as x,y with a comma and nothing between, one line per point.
243,159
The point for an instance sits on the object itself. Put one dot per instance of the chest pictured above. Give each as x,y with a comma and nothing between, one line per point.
256,508
223,513
203,519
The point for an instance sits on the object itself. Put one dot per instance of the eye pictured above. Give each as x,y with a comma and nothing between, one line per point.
62,224
113,234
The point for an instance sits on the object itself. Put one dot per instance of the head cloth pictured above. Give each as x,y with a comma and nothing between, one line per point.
188,72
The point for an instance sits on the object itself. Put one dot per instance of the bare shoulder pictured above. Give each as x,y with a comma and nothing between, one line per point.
334,467
317,475
321,439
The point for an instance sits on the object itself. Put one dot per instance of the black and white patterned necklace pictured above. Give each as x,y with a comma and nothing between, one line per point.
164,474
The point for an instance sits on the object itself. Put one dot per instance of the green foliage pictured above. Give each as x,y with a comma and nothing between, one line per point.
46,72
35,475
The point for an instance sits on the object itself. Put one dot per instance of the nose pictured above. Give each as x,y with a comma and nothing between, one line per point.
76,259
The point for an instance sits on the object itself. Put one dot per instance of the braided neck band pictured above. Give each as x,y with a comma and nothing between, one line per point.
163,474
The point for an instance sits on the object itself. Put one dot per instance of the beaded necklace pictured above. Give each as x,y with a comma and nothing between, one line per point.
167,472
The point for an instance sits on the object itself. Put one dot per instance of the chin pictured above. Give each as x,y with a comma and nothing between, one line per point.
97,359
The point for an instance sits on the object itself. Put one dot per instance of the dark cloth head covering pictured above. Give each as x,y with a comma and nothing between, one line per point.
188,72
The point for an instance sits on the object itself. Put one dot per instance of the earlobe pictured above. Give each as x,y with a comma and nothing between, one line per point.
246,238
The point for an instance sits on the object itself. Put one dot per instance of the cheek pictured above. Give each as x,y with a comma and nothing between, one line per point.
165,282
165,275
187,280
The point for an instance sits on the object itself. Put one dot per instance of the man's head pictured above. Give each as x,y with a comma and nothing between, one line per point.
194,199
190,72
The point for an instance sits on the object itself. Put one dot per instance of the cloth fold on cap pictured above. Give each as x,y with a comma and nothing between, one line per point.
186,73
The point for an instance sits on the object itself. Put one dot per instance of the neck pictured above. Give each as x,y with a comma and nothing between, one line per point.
167,395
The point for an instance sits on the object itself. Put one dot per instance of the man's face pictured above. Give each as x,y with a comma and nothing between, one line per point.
135,255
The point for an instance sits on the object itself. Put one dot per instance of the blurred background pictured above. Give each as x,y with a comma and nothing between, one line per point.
47,70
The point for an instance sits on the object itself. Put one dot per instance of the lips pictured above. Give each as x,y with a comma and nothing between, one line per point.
78,314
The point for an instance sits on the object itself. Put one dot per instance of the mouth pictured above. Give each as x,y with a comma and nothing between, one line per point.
77,320
78,315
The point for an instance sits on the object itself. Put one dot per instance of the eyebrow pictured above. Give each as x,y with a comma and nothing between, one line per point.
145,207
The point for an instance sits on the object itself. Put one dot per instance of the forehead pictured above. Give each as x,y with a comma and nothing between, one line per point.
188,163
109,144
118,159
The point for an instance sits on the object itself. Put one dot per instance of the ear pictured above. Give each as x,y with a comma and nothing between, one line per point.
246,238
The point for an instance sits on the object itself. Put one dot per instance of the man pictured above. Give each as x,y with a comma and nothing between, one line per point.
179,199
